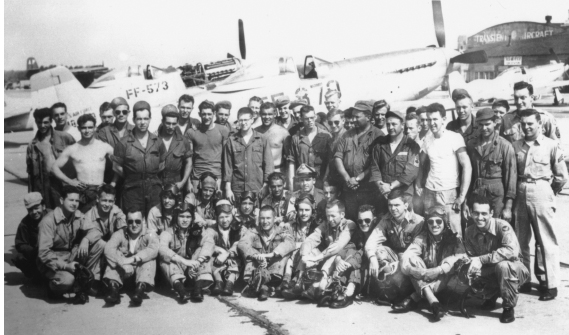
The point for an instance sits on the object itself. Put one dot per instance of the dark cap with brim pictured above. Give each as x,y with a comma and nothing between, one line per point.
485,114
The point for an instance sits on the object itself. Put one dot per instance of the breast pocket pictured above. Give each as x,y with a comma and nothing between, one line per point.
400,162
494,167
540,166
257,155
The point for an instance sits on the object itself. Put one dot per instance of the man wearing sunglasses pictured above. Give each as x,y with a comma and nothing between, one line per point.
352,159
275,135
310,146
495,253
178,164
394,159
248,159
120,128
385,247
140,156
131,252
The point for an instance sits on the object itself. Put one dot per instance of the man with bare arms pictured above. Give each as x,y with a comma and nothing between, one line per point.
88,157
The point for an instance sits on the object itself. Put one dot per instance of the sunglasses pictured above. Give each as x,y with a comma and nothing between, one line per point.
367,221
337,123
124,112
435,221
137,222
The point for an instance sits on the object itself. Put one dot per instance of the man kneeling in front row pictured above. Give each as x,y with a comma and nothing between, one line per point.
131,252
496,257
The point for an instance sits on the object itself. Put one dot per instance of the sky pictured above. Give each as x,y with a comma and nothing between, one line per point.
167,32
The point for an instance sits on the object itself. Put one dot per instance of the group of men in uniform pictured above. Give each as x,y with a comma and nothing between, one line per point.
368,201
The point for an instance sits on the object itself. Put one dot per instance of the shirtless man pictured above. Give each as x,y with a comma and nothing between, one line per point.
276,135
88,157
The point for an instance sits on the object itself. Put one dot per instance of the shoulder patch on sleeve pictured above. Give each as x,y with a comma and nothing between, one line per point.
416,161
505,228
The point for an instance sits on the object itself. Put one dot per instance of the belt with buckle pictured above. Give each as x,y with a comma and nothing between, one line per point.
530,180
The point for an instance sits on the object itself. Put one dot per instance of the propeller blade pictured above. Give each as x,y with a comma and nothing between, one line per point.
242,47
473,57
439,23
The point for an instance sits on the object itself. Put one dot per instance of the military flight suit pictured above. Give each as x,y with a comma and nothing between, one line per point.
314,154
355,150
39,178
158,222
26,244
494,170
280,242
319,201
499,253
401,165
473,131
141,166
58,243
534,206
179,151
512,127
247,165
232,264
281,206
299,235
387,242
205,210
330,240
173,242
110,134
426,253
97,229
117,250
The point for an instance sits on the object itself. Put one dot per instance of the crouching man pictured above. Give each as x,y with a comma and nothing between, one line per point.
430,259
266,251
327,241
26,242
384,248
495,253
131,253
226,235
60,259
185,251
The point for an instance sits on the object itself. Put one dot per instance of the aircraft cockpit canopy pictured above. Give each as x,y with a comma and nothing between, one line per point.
264,69
511,71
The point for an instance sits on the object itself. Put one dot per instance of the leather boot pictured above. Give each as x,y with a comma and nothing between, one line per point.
548,294
437,310
228,290
217,288
113,297
525,288
138,295
490,304
404,306
263,293
293,293
508,315
81,298
196,295
183,296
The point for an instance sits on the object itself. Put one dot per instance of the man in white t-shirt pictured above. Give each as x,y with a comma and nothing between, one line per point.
450,170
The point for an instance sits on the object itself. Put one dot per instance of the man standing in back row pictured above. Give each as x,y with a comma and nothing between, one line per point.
538,160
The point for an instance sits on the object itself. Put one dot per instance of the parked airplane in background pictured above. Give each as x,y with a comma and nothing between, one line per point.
394,76
543,78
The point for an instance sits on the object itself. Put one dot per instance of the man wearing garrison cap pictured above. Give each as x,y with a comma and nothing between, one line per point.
140,157
494,168
178,163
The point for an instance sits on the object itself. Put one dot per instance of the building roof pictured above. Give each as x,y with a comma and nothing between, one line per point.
534,47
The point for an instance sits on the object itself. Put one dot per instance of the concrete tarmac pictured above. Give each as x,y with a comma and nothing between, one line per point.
27,310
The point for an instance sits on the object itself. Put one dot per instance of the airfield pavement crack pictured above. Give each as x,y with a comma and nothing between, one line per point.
256,317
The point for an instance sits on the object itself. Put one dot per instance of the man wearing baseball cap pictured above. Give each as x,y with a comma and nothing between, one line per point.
394,159
494,167
352,159
140,156
178,163
26,242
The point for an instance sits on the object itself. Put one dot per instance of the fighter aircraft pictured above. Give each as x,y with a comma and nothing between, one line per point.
543,78
394,76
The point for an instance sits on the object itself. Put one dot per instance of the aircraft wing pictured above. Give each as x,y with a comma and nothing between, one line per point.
90,69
